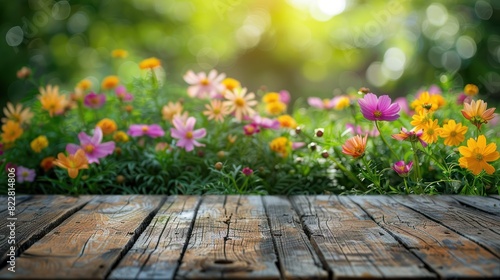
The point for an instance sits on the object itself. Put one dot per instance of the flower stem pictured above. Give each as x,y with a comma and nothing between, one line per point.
383,139
418,176
349,173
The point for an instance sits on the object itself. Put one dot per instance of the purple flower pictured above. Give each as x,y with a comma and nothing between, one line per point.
251,129
247,171
92,146
284,96
24,174
411,136
317,102
94,100
378,109
265,122
122,94
186,134
357,130
152,131
403,104
1,149
401,168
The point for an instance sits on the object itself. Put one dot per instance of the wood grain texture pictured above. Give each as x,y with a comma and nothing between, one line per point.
296,256
481,227
230,240
352,244
88,243
447,253
18,199
157,252
34,218
486,204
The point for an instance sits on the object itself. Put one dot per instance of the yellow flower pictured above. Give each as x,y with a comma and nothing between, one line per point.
73,163
471,89
120,136
427,102
421,119
431,132
171,110
216,110
150,63
280,145
453,133
119,53
287,121
39,143
11,131
476,155
477,113
107,126
110,82
342,102
231,84
271,97
17,114
232,138
84,84
240,103
275,108
52,101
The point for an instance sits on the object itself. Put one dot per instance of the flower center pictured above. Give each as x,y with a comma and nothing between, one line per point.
94,101
430,131
453,134
326,102
377,114
427,106
145,128
89,148
16,117
25,174
240,102
479,157
205,82
189,135
216,111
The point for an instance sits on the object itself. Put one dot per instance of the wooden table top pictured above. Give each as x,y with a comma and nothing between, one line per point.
251,237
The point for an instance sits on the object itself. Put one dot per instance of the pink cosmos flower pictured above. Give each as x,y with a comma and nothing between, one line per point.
185,133
403,104
24,174
251,129
411,136
401,168
153,131
358,130
297,145
204,86
92,146
378,109
319,103
122,94
265,122
94,100
285,96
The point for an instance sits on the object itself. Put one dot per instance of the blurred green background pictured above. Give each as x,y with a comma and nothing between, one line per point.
309,47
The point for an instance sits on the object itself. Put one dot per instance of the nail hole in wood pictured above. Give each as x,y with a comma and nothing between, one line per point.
221,261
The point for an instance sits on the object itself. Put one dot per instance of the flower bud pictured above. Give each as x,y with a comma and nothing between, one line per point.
218,165
120,179
325,154
319,132
363,90
312,146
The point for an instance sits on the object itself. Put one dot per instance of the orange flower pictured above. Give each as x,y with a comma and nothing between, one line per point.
281,145
355,146
119,53
52,101
23,73
216,110
230,84
84,84
110,82
150,63
107,126
471,89
271,97
477,113
287,121
171,110
120,136
275,108
73,163
476,155
47,163
11,131
17,114
240,103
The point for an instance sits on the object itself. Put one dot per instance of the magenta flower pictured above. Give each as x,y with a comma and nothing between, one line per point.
24,174
202,86
92,146
319,103
285,96
378,109
358,130
247,171
401,168
410,136
10,165
94,100
251,129
265,122
185,133
122,94
403,104
153,131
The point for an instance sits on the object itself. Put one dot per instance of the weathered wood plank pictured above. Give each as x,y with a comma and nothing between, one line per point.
447,253
16,200
88,243
496,196
481,227
353,245
157,252
296,256
34,218
483,203
230,240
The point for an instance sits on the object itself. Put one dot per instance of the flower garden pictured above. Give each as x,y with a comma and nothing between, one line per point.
213,135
